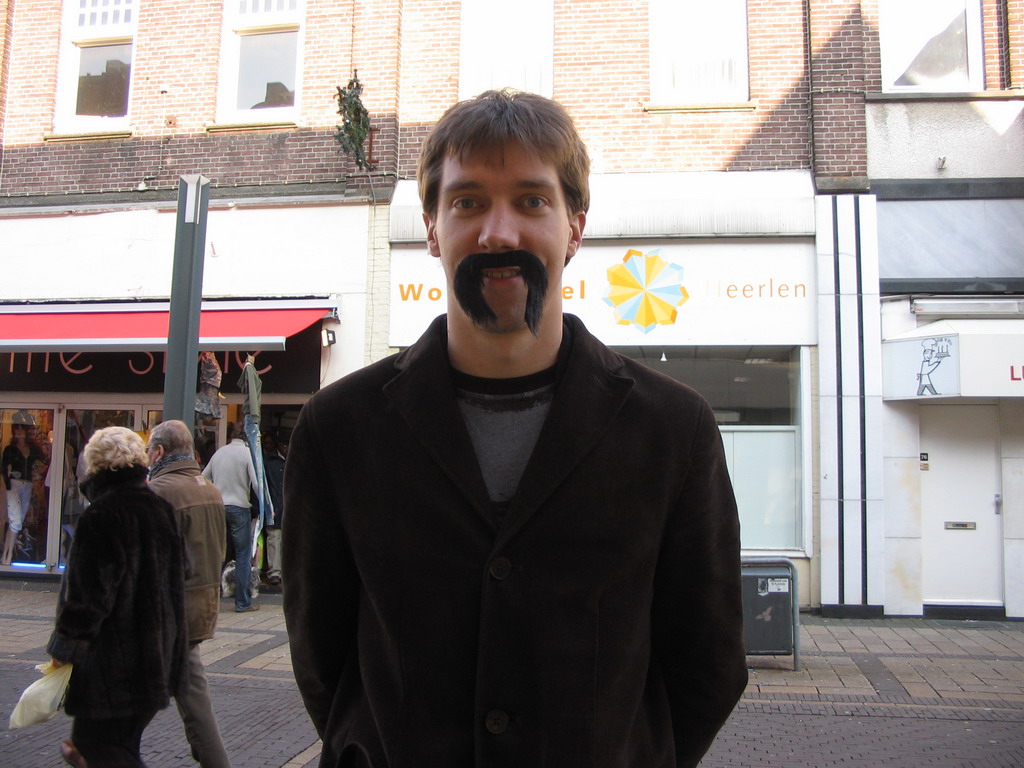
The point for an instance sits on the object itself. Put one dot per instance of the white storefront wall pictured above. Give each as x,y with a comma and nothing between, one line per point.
972,375
264,250
851,510
722,292
974,239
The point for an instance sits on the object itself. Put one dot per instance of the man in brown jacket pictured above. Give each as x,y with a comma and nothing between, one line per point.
174,475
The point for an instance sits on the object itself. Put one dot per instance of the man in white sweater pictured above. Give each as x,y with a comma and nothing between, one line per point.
232,471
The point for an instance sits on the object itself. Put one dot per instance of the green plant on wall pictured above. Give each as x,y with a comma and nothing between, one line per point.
355,123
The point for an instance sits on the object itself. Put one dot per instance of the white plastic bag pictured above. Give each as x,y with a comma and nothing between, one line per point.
41,700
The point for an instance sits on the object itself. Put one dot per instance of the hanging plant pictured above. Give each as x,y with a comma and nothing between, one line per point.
355,122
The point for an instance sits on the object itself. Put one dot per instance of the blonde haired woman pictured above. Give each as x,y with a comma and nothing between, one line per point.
120,619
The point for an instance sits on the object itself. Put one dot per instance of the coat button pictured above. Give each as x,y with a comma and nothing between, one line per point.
496,721
501,567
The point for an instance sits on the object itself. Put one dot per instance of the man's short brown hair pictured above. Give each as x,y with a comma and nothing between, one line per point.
495,119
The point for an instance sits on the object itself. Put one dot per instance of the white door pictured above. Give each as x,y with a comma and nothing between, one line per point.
962,530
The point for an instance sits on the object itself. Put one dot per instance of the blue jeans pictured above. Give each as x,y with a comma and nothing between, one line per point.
239,521
252,437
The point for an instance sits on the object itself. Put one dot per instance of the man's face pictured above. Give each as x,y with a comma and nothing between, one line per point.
503,235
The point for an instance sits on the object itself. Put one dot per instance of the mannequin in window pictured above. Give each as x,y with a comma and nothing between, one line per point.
19,462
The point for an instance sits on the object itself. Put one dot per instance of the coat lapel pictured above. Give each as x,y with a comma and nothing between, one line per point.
423,394
589,397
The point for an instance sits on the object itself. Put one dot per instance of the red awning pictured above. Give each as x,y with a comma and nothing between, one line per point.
146,329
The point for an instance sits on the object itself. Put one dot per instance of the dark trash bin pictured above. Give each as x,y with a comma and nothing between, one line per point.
771,608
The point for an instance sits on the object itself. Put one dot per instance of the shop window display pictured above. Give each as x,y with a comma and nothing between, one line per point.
24,468
80,425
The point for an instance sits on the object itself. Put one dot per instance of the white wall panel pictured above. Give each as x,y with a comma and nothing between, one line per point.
129,253
903,576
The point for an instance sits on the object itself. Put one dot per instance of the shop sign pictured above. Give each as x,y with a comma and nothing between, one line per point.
652,293
294,370
958,358
925,367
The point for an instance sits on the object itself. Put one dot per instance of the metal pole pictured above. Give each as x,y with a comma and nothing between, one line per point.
186,300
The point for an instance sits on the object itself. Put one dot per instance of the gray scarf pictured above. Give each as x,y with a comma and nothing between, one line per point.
167,460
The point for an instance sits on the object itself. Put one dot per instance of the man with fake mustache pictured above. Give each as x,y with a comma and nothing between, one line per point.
472,272
509,545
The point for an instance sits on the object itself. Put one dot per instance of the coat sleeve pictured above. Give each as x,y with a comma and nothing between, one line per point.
321,583
697,614
96,566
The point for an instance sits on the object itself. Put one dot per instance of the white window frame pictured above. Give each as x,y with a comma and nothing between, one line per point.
506,44
254,17
89,24
905,26
688,34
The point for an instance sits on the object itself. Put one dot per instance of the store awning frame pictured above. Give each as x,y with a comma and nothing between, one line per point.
132,327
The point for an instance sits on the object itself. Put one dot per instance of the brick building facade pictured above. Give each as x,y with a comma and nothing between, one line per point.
768,152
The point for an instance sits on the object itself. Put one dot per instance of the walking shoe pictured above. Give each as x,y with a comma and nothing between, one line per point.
249,608
71,755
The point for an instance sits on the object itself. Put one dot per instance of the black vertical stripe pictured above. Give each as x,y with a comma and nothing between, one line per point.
862,402
839,404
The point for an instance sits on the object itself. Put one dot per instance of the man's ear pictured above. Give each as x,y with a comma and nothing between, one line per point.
576,226
431,237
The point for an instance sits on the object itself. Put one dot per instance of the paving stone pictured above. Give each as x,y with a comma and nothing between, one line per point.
873,692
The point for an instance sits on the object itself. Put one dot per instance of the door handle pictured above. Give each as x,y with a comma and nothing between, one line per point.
999,503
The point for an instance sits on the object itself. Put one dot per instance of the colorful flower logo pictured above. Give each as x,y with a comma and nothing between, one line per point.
645,290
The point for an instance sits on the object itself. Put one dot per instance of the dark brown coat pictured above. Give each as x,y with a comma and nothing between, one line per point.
120,617
599,626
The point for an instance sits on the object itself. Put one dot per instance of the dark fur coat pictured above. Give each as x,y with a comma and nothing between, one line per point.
121,614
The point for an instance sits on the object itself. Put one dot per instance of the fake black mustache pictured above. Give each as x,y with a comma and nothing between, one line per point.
469,284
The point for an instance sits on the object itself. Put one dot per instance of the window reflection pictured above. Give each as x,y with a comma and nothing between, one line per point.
266,70
103,80
931,45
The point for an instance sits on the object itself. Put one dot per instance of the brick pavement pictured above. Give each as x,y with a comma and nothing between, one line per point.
258,707
887,692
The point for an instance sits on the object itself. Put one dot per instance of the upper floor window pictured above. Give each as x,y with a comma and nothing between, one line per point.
260,61
931,45
95,71
506,44
698,51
